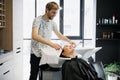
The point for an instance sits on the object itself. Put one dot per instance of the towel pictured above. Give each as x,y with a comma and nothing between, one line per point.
50,55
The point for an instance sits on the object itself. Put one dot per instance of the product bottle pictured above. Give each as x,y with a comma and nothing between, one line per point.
102,21
112,35
99,22
113,19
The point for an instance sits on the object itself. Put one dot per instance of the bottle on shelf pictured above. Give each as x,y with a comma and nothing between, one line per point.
116,21
102,20
99,21
110,21
105,21
104,35
113,19
112,35
108,35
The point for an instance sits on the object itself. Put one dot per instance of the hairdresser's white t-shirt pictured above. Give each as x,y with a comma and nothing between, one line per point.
45,29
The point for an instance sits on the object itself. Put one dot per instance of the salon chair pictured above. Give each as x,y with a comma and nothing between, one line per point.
98,66
46,68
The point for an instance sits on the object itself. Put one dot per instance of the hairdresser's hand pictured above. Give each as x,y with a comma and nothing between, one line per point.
72,44
56,46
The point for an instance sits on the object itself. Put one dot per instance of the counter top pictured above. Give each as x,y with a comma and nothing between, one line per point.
6,56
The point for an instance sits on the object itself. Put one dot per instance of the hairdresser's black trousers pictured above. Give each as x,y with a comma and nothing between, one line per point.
34,62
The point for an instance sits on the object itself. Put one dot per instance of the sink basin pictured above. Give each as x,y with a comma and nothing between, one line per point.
83,53
86,52
51,56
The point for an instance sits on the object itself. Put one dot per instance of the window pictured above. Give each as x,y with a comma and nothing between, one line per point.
69,19
72,18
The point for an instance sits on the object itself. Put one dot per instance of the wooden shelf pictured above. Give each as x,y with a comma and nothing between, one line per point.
6,27
108,25
2,21
2,27
1,9
106,39
2,14
2,3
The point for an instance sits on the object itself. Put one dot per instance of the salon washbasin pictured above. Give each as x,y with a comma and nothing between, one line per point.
81,52
86,52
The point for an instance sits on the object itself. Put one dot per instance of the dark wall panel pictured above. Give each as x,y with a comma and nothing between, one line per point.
111,47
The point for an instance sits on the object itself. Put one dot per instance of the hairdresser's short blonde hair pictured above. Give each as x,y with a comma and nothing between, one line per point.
52,5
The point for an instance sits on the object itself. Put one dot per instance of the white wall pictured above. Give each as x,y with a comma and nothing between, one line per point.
90,22
17,23
28,17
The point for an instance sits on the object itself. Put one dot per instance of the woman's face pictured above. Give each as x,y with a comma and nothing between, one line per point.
68,49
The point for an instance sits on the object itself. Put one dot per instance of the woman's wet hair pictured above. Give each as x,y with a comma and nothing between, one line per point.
61,53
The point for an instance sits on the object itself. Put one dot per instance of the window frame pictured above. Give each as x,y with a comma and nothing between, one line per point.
81,31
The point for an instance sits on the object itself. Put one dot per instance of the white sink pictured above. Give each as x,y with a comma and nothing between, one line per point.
86,52
53,55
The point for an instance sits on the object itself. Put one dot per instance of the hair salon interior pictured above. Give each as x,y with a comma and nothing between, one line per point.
91,24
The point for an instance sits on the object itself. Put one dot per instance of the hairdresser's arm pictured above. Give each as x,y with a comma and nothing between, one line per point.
39,38
61,36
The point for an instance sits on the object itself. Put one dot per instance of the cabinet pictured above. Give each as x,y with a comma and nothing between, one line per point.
11,40
18,67
7,74
2,13
6,67
26,59
18,39
108,31
6,25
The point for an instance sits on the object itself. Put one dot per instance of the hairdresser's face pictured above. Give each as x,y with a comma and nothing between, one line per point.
51,13
68,48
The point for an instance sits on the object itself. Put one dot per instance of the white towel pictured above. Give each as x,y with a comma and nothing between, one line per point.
50,55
